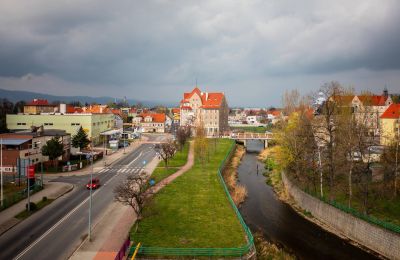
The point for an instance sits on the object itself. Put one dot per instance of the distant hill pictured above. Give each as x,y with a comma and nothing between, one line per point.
15,96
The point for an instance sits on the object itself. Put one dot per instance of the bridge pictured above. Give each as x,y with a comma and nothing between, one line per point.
252,136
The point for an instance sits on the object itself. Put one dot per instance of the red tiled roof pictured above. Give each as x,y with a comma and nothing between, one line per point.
373,100
116,111
208,100
393,111
38,102
175,110
186,107
157,117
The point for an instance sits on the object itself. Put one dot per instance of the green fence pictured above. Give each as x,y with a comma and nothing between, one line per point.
209,252
356,213
16,197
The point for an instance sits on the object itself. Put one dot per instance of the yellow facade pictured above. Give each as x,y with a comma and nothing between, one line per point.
92,124
389,130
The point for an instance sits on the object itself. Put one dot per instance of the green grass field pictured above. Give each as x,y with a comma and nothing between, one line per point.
252,129
179,159
193,211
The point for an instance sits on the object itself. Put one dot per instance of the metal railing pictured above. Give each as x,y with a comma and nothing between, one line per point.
209,252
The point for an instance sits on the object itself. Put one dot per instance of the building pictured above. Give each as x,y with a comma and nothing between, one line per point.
150,122
38,106
92,123
390,124
28,145
207,109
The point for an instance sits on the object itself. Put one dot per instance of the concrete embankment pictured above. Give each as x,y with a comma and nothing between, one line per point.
385,242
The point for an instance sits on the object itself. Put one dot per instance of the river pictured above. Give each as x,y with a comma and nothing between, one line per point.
282,225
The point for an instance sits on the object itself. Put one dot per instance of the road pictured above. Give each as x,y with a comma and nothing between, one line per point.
57,230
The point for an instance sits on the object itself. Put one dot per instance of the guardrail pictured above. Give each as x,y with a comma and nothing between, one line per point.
209,252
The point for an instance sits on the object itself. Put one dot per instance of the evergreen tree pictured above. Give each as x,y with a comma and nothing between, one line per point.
53,149
81,139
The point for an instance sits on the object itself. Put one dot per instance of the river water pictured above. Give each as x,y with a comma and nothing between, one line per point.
280,224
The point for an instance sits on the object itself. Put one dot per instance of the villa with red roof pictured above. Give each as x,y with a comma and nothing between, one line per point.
207,108
37,106
150,122
390,124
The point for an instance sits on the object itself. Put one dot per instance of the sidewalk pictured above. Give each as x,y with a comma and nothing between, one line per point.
100,164
52,190
113,228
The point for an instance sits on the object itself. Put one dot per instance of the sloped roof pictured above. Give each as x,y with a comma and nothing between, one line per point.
39,102
392,112
156,117
373,100
212,100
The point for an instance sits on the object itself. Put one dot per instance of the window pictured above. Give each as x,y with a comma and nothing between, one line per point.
48,123
21,123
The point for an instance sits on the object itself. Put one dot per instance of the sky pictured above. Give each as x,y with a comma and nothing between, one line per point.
252,51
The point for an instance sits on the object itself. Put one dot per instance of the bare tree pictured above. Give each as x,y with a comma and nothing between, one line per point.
182,134
131,192
166,151
201,144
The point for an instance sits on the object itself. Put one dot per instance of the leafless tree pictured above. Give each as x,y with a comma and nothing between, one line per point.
182,135
166,151
131,192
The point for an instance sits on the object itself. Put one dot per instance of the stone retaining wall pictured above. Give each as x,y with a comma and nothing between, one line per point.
385,242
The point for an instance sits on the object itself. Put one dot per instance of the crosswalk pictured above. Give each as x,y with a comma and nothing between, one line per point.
124,170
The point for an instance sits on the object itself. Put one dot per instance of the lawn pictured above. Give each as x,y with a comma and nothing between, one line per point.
252,129
179,159
193,211
14,193
41,204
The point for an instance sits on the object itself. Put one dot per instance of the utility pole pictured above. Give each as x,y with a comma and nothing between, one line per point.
397,155
90,194
1,169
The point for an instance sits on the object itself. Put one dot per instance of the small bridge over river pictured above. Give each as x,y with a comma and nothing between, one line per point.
244,137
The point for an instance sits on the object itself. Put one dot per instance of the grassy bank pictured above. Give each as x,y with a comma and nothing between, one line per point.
267,250
238,192
193,211
179,159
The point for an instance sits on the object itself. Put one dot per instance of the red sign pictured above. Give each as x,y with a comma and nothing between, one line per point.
31,172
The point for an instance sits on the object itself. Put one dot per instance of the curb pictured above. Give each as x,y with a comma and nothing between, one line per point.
14,221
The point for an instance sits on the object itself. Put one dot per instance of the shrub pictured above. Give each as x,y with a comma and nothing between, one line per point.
44,198
33,206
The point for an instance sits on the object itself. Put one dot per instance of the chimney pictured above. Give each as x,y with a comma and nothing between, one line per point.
206,96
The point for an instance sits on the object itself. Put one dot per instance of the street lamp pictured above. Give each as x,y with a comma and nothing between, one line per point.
397,154
90,194
1,169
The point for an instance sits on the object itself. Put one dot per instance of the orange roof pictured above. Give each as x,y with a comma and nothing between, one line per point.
39,102
393,112
189,95
208,100
157,117
175,110
116,111
97,109
373,100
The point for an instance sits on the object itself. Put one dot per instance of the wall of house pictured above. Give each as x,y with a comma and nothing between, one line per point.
376,238
92,124
388,126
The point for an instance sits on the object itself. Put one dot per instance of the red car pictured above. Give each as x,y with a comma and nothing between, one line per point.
95,184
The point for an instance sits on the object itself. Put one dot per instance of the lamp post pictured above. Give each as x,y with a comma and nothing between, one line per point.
397,155
1,169
90,194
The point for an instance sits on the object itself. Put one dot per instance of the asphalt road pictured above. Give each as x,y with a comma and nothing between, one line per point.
57,230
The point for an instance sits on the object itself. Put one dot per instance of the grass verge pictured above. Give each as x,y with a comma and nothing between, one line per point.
41,204
179,159
193,211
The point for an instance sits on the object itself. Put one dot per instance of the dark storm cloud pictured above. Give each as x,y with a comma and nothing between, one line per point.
241,47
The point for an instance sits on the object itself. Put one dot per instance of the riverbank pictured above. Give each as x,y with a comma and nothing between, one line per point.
237,191
274,179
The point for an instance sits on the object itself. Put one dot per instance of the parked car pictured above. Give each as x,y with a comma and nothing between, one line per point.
94,185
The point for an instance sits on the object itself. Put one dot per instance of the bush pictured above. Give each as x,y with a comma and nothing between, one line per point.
44,198
33,206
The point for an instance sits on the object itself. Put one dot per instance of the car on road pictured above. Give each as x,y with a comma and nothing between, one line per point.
94,185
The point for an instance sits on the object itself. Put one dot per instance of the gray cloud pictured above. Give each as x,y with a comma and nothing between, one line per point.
155,49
